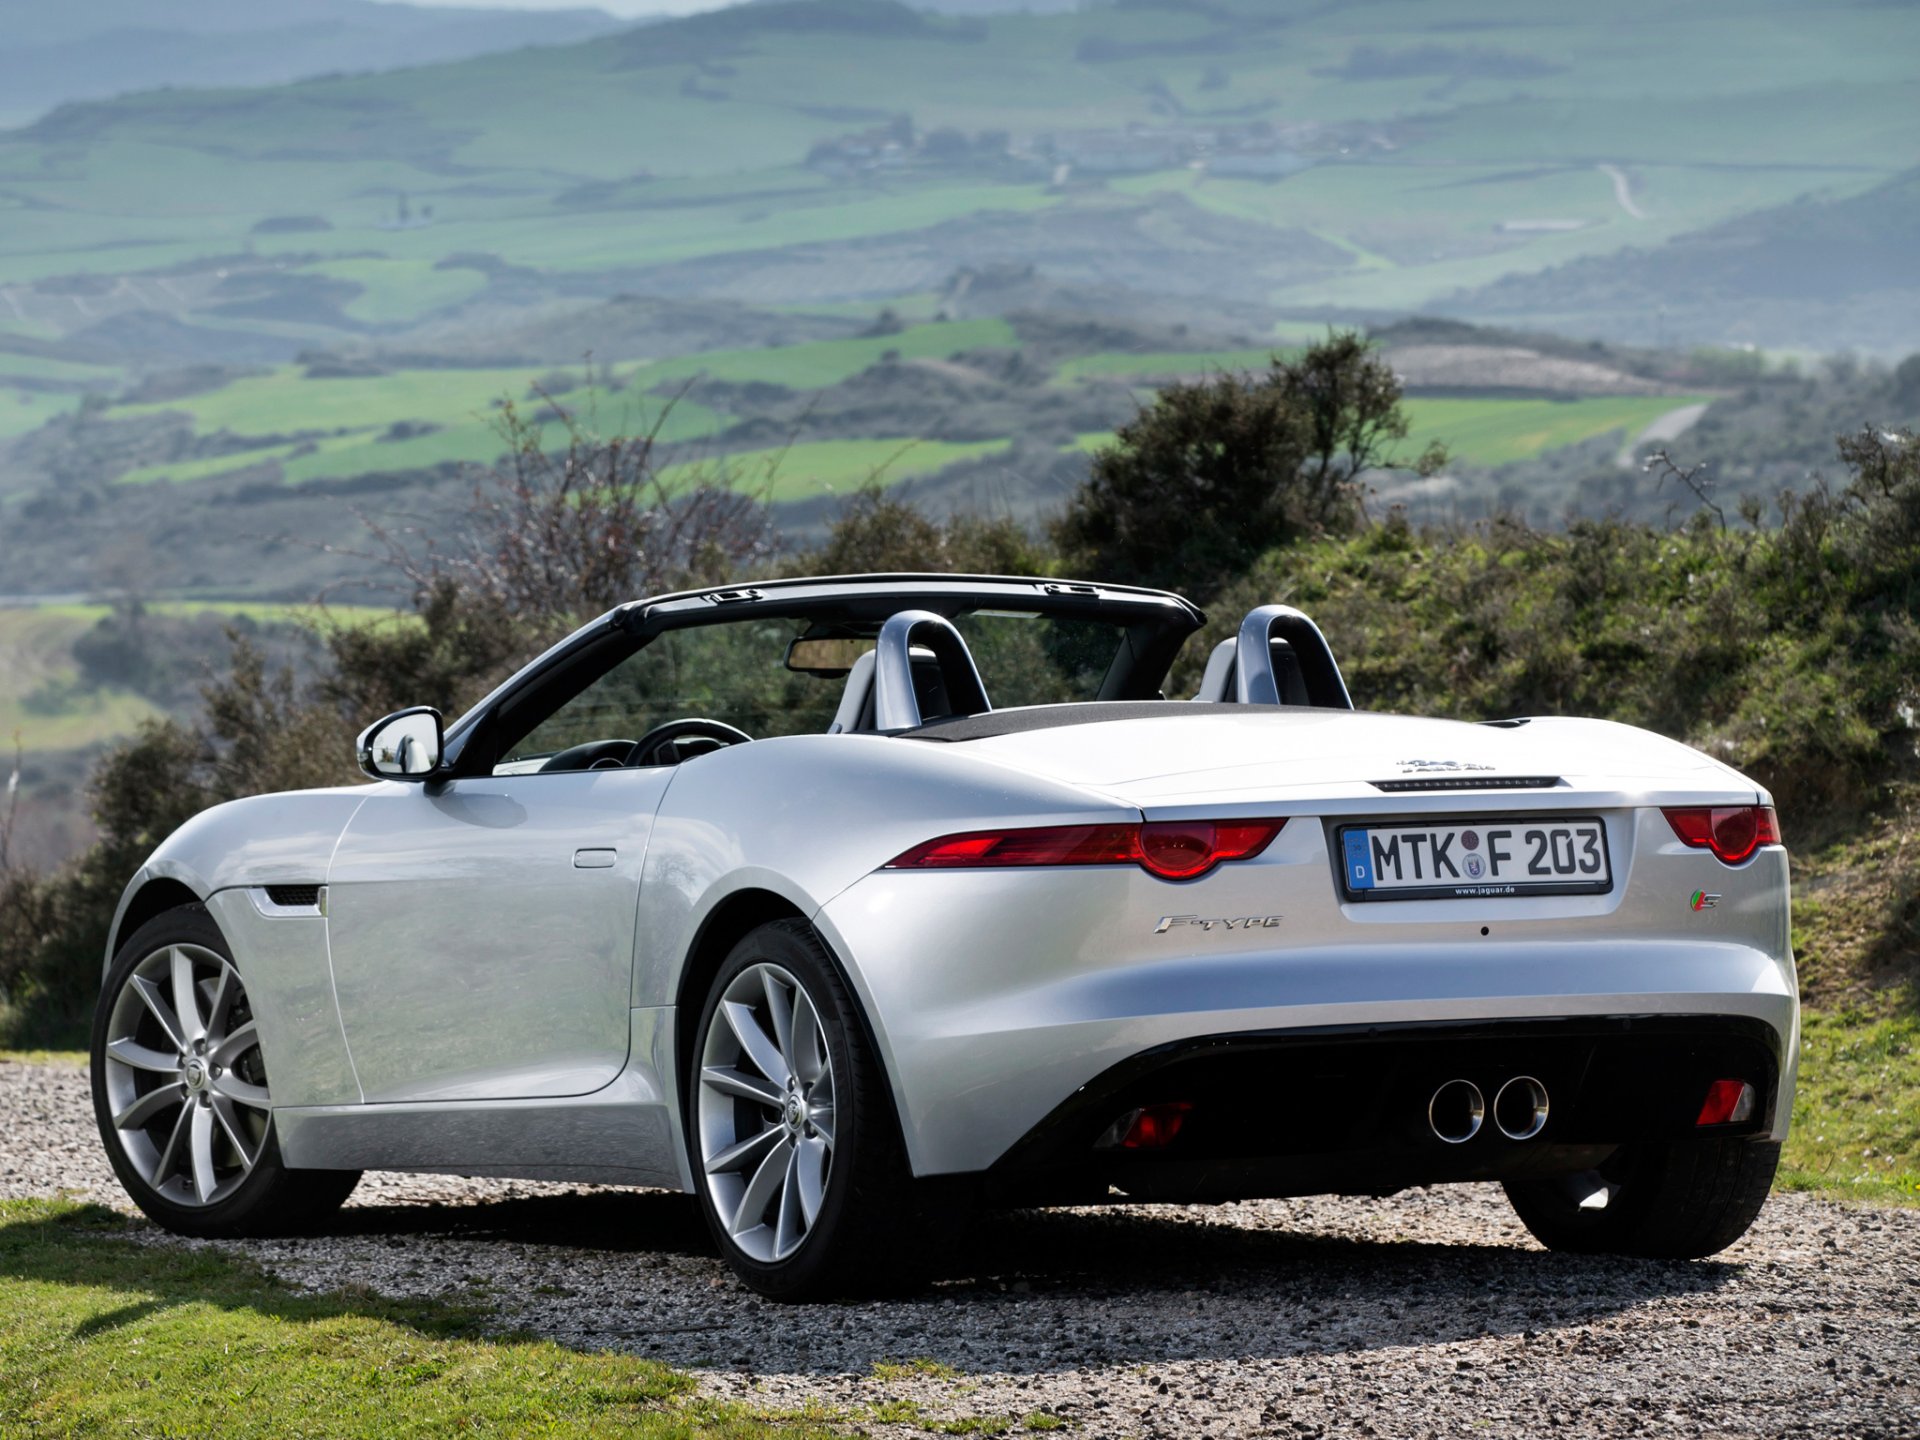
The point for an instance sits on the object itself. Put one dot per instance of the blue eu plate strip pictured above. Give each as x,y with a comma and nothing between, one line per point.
1359,861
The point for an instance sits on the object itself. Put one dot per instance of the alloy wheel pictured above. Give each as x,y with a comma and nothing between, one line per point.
185,1083
765,1112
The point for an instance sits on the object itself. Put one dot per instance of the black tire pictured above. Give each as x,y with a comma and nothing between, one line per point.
271,1199
1676,1200
872,1219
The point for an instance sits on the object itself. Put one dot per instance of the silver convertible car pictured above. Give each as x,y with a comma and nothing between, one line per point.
848,904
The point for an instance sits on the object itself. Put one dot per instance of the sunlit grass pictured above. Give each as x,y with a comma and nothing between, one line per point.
101,1336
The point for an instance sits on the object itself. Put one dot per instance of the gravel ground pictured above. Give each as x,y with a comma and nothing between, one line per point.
1430,1313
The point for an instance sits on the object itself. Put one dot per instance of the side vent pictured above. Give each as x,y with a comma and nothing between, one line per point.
1469,782
283,901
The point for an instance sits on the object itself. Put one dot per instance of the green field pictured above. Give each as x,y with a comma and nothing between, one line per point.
1499,431
344,420
826,467
44,704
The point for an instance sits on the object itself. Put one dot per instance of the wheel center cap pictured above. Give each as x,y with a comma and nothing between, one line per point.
196,1074
796,1114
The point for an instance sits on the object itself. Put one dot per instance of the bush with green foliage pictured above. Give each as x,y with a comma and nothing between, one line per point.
1792,652
1212,474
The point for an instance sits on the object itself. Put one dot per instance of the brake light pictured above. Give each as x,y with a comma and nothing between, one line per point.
1171,849
1151,1127
1731,832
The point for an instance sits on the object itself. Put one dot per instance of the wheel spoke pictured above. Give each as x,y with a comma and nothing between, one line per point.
761,1189
746,1152
780,1012
170,1154
746,1087
141,1112
235,1131
163,1012
810,1176
220,1001
186,996
200,1145
234,1088
789,1227
131,1052
822,1118
808,1049
761,1050
226,1051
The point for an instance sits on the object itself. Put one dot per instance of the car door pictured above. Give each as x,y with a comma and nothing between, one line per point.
482,932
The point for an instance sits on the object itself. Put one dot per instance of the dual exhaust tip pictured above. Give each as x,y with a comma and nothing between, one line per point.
1458,1109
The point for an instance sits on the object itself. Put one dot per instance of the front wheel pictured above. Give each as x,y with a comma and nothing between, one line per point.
796,1156
181,1090
1675,1200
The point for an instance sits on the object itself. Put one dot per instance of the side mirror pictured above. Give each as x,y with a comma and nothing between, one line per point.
404,746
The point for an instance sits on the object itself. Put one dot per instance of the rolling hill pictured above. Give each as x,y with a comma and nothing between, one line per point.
59,53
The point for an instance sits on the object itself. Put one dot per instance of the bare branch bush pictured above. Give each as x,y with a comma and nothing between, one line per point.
1664,467
559,532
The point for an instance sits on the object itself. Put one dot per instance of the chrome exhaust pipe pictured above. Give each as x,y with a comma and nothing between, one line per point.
1456,1111
1520,1108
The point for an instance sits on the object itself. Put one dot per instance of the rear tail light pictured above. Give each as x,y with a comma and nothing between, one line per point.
1171,849
1731,832
1728,1102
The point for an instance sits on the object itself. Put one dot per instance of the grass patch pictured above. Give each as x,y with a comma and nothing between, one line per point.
915,1367
400,291
1856,1117
24,410
102,1336
43,1057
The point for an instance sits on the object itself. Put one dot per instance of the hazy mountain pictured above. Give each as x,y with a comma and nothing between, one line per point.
57,53
1808,273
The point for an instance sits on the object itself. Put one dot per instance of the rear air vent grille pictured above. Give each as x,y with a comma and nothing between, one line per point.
294,897
1470,782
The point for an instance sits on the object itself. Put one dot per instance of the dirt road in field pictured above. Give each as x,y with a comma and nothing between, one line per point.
1427,1314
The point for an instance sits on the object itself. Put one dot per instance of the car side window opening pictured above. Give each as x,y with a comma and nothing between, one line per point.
736,673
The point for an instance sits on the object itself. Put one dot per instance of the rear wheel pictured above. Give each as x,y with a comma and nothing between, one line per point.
1677,1200
795,1152
181,1090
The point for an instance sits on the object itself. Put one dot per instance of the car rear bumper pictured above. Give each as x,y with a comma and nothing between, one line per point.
1347,1109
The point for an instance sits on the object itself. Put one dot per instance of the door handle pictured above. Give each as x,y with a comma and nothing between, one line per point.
594,859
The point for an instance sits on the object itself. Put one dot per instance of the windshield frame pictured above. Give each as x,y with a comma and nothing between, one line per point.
1153,625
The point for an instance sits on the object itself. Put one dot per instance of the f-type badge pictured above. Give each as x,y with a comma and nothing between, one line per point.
1224,922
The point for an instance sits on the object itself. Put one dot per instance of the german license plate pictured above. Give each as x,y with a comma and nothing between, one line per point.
1475,859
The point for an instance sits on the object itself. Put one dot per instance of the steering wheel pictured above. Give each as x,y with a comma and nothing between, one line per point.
594,755
663,745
